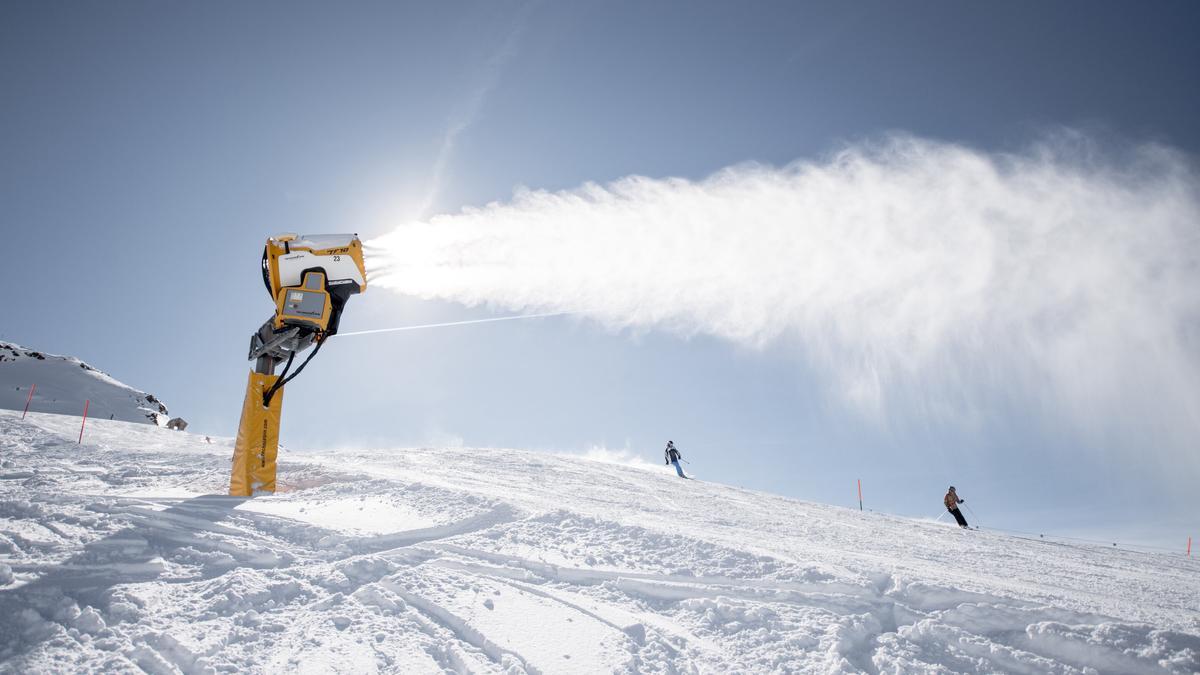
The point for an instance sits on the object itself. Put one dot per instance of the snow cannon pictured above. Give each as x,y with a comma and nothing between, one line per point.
309,278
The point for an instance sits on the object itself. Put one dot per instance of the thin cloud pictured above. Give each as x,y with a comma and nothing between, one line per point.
468,113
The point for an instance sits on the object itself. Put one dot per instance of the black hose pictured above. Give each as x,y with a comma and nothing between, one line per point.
270,393
284,378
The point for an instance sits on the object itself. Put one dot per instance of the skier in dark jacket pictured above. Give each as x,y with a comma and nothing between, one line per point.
952,500
672,456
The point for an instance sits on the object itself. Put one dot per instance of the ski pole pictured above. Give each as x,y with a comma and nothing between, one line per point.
973,515
28,399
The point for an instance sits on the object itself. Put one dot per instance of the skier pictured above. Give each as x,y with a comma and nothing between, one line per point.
952,500
672,456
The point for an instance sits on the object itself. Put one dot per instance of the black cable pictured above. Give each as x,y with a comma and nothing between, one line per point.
270,393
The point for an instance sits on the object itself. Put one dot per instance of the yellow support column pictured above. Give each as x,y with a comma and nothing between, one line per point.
257,439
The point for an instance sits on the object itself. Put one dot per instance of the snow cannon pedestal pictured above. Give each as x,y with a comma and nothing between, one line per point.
310,279
257,439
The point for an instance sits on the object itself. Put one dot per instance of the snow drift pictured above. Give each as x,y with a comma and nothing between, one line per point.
924,280
65,382
114,559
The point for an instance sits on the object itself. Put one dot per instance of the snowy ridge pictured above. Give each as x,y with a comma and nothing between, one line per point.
489,561
65,382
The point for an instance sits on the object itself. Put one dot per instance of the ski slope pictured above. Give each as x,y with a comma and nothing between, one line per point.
63,383
117,557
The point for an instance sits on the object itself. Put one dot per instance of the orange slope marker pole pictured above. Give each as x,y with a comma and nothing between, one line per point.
81,424
28,399
860,508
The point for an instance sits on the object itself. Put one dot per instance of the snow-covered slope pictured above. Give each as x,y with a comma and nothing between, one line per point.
64,383
467,560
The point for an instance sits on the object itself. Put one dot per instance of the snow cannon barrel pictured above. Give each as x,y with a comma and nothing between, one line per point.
310,278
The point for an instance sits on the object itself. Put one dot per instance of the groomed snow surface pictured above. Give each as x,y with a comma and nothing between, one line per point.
117,557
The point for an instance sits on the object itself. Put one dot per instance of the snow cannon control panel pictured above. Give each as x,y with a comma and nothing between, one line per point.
306,307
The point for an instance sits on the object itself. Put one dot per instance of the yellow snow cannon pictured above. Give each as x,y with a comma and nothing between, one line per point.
310,278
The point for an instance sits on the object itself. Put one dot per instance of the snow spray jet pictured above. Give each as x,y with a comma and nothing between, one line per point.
920,277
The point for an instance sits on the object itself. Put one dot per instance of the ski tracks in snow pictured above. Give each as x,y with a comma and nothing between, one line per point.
507,562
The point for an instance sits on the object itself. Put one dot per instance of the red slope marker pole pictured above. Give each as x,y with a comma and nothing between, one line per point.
28,399
860,508
1189,547
81,424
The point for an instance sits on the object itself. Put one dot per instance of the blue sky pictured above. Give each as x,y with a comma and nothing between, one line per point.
148,149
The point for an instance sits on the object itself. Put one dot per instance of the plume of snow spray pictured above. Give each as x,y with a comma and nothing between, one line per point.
918,276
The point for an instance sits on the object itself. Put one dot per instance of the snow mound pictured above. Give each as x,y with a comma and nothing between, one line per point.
120,555
63,383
